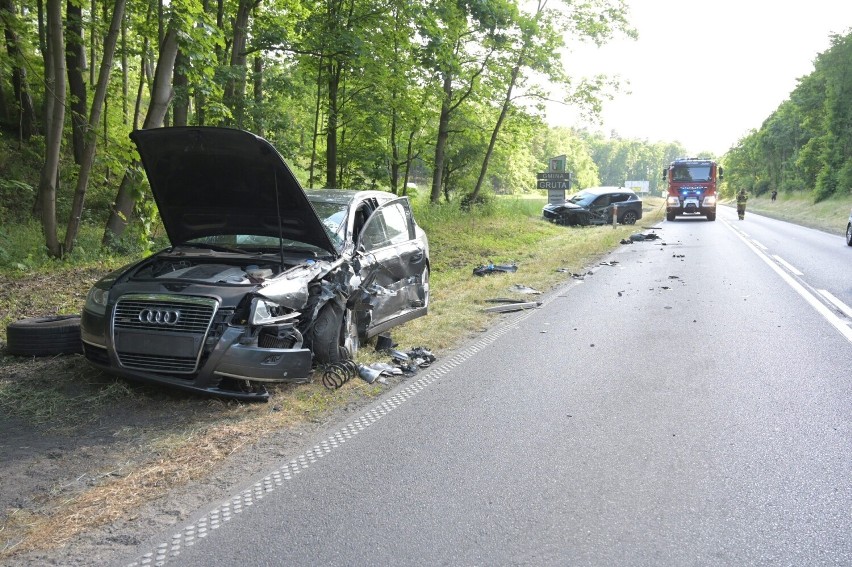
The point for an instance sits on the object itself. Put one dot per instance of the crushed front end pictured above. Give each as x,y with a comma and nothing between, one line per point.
217,326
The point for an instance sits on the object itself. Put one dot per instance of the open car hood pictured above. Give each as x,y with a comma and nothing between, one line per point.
220,181
565,205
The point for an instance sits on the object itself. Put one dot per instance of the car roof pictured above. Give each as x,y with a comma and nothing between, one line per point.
604,190
346,196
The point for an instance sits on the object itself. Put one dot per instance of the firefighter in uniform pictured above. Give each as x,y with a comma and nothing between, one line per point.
741,203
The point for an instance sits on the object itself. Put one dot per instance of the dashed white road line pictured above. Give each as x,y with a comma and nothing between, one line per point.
759,245
787,265
845,309
812,300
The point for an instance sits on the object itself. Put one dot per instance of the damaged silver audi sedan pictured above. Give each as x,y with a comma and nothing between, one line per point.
263,280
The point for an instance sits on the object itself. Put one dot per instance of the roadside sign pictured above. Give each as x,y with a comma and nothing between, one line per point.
556,181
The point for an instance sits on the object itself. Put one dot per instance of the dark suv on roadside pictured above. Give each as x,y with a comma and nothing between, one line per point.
595,206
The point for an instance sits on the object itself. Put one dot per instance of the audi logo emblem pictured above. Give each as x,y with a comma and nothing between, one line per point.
159,316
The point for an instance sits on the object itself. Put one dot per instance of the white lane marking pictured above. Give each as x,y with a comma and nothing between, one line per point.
759,245
818,305
845,309
787,265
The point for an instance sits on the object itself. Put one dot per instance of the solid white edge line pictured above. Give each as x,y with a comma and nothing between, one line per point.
787,265
837,303
819,306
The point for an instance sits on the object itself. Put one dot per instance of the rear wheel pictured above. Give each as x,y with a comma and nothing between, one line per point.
629,217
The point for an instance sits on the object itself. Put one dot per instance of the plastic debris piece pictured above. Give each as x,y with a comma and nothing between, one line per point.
386,369
368,374
494,268
384,342
516,306
520,288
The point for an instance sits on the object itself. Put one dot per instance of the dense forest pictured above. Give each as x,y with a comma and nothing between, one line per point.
805,146
442,99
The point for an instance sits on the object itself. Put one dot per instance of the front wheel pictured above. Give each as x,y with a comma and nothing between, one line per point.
670,216
628,218
711,216
849,234
334,336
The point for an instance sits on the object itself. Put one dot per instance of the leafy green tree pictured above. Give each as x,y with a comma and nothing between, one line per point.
460,38
24,109
836,155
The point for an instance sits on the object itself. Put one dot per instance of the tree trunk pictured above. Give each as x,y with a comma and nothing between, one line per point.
180,112
409,157
317,109
74,60
53,139
23,100
394,165
257,82
161,95
507,101
234,94
441,144
331,131
88,157
47,79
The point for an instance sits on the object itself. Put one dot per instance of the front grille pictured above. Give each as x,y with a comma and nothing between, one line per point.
161,364
161,333
177,314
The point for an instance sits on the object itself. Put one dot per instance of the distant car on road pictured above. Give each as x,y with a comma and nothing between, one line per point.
595,206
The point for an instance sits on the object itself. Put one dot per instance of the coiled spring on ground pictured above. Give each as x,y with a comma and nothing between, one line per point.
337,374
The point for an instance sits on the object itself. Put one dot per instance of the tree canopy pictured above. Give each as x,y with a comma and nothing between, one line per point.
375,93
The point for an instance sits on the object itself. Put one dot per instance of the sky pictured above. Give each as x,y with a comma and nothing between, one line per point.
745,57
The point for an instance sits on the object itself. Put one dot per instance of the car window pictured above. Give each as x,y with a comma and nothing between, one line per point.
602,201
396,223
388,226
583,198
374,235
620,197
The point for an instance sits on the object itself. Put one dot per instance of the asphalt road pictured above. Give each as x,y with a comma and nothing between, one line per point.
687,405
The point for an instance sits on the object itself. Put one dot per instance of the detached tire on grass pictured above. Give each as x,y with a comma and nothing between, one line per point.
44,336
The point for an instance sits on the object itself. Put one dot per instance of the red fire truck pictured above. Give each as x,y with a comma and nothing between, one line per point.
692,187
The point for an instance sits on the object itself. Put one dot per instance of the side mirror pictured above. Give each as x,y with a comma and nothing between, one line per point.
665,174
721,174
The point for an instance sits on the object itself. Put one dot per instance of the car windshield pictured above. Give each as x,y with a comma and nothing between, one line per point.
252,244
583,198
333,217
691,173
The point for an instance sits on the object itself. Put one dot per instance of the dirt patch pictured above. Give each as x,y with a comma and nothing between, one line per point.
93,464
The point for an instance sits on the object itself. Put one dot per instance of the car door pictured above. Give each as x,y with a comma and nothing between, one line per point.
600,209
392,262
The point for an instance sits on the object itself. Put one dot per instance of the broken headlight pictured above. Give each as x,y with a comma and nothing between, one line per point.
264,312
